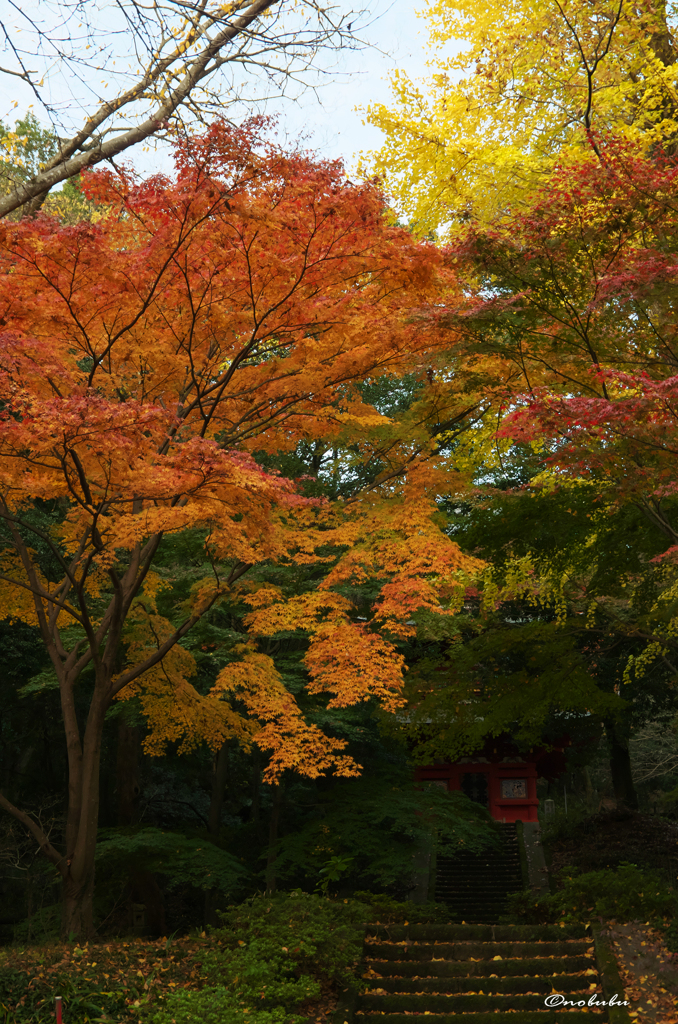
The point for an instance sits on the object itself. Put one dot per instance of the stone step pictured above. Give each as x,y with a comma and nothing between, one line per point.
490,872
485,984
478,912
504,853
527,1017
503,861
547,967
467,877
503,866
478,885
469,881
479,932
477,878
427,950
478,894
474,970
470,886
467,884
474,899
372,1003
507,841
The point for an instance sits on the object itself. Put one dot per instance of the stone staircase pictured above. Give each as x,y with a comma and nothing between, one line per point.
475,885
477,974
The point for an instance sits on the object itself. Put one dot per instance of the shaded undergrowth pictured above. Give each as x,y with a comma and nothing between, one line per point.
274,960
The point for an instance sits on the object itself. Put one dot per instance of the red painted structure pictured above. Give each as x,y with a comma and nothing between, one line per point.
499,777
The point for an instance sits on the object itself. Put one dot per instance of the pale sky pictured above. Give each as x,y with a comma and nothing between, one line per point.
326,119
333,126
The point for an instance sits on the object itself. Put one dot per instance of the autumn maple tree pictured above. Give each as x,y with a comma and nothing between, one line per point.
578,292
151,363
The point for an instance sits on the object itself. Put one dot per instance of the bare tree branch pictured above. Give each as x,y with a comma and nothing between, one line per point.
179,46
38,834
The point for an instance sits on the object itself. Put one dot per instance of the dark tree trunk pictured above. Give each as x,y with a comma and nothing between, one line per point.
75,862
82,818
128,772
143,887
219,780
256,785
661,40
620,765
273,839
77,907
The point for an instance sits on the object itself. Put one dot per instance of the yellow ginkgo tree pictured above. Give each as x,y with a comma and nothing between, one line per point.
515,87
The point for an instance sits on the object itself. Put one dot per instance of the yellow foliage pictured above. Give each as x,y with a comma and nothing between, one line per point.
18,590
176,712
292,743
355,664
513,88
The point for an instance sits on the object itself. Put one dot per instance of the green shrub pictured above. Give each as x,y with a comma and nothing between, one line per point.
264,965
625,894
215,1005
275,944
387,910
102,982
561,825
184,860
267,959
43,926
267,971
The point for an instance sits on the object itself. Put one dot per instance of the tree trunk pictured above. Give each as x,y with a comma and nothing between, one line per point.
219,779
76,863
256,785
77,909
82,819
127,772
588,785
620,765
142,884
273,839
661,39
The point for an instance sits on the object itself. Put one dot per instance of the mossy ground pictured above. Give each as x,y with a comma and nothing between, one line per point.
108,981
115,981
608,839
285,957
649,971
